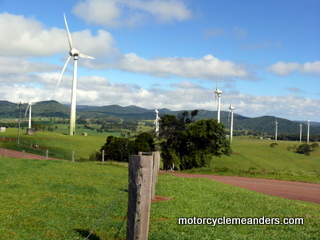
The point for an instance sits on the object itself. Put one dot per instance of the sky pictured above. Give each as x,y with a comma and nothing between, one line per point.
264,55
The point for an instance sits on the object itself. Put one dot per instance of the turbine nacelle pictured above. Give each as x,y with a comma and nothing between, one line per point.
74,52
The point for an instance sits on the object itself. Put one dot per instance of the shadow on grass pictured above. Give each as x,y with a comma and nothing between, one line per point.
86,233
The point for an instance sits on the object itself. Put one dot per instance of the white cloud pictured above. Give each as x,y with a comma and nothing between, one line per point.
285,69
99,91
128,12
207,67
13,65
27,37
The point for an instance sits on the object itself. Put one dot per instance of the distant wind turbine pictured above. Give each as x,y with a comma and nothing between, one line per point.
231,123
156,121
218,94
276,134
308,133
300,132
29,108
75,54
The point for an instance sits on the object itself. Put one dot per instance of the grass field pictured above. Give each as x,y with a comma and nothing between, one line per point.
251,157
64,200
255,158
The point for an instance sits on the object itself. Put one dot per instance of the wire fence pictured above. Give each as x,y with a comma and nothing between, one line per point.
112,210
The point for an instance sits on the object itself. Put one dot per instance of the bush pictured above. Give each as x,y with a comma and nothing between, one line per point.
304,149
273,144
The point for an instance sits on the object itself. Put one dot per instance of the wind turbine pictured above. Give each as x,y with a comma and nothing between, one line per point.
231,124
308,133
75,54
300,132
29,108
218,94
157,122
276,134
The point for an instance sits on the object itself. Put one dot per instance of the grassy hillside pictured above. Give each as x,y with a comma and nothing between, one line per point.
59,145
253,157
65,200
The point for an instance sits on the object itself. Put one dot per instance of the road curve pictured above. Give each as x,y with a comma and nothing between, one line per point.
309,192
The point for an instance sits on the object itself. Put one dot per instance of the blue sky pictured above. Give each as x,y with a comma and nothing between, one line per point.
167,54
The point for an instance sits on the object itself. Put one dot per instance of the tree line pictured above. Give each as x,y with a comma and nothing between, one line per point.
184,143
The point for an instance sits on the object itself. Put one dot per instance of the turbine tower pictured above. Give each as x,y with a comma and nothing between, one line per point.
75,54
300,132
231,124
308,133
276,134
157,122
218,94
29,108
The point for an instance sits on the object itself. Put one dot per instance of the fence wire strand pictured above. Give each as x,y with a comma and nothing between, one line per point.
117,198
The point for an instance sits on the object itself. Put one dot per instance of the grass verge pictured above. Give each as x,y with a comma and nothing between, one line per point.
65,200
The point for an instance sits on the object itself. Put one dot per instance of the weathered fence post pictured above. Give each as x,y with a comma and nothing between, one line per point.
155,170
102,157
47,154
139,198
23,154
72,156
156,166
6,153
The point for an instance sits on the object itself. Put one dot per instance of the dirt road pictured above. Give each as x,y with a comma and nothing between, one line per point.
17,154
309,192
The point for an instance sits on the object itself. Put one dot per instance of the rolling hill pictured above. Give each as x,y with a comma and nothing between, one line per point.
262,124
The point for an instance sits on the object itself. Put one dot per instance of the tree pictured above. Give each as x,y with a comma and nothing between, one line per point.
189,144
117,149
144,143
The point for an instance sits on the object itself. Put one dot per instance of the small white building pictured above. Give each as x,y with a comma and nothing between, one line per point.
2,129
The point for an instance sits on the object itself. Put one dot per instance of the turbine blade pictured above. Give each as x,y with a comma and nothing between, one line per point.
27,110
63,69
68,32
85,56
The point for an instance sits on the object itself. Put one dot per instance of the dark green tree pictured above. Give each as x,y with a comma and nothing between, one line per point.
144,143
116,149
189,144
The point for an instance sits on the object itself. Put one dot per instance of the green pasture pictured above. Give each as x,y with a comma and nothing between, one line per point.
255,158
59,145
66,200
251,157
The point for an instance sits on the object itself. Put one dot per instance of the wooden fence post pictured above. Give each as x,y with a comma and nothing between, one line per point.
47,154
72,156
139,197
23,154
156,165
102,157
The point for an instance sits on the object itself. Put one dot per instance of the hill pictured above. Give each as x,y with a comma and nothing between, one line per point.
261,125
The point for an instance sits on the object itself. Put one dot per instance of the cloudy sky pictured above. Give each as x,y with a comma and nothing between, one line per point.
167,54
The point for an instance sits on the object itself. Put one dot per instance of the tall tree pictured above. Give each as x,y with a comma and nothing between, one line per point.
189,144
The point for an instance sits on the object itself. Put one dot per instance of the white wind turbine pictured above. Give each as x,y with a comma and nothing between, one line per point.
231,123
276,134
29,108
300,132
218,94
75,54
156,121
308,133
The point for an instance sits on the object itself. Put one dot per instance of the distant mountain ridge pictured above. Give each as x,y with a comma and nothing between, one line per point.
263,124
